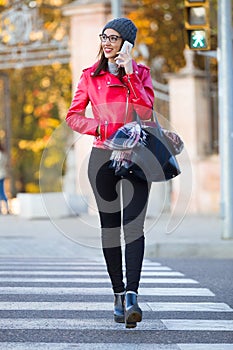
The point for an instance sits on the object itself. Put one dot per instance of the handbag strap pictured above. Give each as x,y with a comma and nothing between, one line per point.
153,119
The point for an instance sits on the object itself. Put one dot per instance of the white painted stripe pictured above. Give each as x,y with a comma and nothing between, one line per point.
150,263
97,324
198,325
112,346
187,307
109,324
64,306
65,263
60,260
101,306
74,268
90,346
205,346
85,273
49,263
105,291
95,280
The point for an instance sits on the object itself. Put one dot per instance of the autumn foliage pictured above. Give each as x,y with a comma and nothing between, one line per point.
40,96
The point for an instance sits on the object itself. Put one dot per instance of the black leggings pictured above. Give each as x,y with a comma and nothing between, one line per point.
132,197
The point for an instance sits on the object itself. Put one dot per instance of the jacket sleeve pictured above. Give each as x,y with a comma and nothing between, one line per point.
76,118
141,92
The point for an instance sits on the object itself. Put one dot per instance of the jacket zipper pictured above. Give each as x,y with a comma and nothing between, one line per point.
129,81
105,129
126,105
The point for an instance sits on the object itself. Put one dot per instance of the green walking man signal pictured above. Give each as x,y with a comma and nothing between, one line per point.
197,24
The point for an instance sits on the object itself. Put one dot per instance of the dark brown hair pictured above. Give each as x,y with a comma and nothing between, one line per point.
103,64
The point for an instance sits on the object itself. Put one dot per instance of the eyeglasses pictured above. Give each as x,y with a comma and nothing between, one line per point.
112,38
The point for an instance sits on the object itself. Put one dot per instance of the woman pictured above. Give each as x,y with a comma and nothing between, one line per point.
116,93
3,173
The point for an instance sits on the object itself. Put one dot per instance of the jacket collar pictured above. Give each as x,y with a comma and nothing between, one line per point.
102,72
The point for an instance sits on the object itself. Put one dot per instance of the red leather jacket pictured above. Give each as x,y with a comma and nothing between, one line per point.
112,100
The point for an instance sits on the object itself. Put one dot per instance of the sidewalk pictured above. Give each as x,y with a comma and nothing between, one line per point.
79,237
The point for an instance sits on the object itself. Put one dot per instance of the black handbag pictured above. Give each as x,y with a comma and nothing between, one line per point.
154,160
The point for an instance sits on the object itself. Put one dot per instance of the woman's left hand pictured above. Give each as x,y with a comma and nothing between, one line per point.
125,61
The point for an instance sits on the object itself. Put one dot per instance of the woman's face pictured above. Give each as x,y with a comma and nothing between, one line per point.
111,48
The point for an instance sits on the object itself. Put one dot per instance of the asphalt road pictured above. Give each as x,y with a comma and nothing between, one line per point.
215,274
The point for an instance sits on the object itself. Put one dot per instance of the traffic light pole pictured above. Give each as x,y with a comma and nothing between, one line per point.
116,8
225,88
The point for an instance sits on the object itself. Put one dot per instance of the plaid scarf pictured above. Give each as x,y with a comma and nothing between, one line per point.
122,142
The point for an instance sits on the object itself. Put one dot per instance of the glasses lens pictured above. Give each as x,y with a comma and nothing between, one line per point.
104,37
113,38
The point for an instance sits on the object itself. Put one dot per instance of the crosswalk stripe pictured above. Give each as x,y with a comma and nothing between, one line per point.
65,263
205,346
54,305
85,273
96,280
94,273
55,263
64,306
105,291
198,325
97,324
103,324
108,306
75,268
86,346
41,263
112,346
201,306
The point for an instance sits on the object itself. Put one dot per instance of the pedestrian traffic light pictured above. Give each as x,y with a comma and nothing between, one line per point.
197,26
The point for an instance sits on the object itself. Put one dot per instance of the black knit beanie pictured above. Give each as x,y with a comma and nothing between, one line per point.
125,27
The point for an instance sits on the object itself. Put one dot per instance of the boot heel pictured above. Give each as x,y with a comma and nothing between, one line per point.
119,312
133,313
119,319
130,324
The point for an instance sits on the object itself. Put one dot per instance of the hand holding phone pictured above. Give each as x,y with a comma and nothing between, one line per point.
126,47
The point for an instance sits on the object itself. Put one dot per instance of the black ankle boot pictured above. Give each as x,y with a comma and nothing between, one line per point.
133,313
119,314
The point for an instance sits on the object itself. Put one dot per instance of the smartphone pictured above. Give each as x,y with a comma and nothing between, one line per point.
127,46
